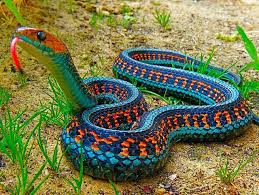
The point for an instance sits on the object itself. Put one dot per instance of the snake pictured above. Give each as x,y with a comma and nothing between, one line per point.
113,128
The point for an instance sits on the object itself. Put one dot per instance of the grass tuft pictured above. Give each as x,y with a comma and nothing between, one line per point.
15,145
127,20
75,183
13,129
53,161
125,9
95,18
227,175
59,110
111,21
25,186
4,96
203,67
248,87
163,18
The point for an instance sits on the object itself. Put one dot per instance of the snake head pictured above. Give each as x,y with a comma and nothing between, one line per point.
53,53
38,43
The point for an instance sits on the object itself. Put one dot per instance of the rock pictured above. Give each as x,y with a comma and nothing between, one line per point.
172,177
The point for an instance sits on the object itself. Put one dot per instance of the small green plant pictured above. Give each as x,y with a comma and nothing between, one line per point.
127,20
25,186
248,86
111,21
53,161
12,128
163,18
228,38
4,96
125,9
220,74
95,18
203,67
251,50
227,175
15,145
116,191
59,110
75,183
11,6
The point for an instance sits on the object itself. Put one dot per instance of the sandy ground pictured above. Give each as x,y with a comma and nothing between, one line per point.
194,25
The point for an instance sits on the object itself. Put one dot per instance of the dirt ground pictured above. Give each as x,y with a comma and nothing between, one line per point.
194,25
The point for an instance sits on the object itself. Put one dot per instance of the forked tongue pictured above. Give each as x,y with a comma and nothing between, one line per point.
14,54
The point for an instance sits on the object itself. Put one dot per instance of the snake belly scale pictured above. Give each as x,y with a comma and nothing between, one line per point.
121,138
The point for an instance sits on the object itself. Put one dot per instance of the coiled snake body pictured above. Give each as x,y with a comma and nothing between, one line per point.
120,138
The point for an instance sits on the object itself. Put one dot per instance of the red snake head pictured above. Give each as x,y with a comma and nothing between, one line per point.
40,44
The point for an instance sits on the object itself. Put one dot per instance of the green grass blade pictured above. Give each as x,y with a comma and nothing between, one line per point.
36,176
221,74
116,191
249,66
203,66
250,47
24,177
210,56
28,121
55,155
81,172
39,185
249,86
43,149
75,183
228,175
71,184
11,6
29,138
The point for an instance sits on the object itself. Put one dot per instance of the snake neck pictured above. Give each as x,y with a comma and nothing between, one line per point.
64,71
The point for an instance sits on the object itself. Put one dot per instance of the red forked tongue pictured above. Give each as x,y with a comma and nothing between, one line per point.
14,54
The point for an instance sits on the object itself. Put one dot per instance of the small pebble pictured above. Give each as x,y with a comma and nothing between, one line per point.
172,177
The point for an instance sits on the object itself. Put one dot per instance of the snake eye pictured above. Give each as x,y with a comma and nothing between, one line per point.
41,36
